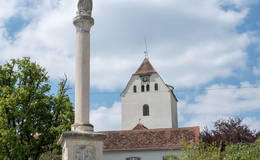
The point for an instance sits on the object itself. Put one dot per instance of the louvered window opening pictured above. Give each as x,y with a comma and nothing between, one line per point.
147,87
156,86
142,88
134,89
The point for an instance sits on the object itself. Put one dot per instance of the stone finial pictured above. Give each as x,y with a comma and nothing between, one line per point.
85,7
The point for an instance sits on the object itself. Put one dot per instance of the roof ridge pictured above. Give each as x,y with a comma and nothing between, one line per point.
155,129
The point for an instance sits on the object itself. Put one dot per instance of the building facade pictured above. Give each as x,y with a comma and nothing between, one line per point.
147,99
149,120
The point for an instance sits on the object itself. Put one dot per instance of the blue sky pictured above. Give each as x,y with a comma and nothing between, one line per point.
209,50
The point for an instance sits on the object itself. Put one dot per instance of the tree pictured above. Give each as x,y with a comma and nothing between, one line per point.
31,119
229,131
230,140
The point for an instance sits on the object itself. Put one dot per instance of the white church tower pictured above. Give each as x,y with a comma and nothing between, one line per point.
148,100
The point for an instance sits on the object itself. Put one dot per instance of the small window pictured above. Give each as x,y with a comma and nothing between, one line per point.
147,87
142,88
133,158
156,86
134,89
145,110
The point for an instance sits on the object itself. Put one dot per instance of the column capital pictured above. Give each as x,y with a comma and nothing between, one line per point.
83,23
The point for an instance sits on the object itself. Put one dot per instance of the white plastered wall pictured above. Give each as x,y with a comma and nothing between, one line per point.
162,105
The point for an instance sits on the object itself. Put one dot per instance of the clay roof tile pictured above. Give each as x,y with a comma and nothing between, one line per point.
167,138
145,68
139,126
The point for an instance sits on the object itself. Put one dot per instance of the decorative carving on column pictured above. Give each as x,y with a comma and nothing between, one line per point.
83,23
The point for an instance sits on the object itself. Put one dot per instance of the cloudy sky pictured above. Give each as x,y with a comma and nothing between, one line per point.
209,50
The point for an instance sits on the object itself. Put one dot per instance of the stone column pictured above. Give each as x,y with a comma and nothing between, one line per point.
83,24
82,143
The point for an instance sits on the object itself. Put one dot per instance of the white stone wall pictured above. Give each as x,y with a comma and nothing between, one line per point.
162,105
144,155
174,112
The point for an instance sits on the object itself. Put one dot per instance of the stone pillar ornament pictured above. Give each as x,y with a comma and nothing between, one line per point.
82,143
85,7
83,23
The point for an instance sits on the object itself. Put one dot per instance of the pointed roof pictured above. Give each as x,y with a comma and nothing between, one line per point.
146,68
140,126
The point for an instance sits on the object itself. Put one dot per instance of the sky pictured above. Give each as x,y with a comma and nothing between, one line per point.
209,50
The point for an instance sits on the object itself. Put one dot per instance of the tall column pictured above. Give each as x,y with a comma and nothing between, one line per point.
82,143
83,24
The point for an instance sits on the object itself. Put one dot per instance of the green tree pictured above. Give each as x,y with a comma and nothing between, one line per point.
202,151
31,119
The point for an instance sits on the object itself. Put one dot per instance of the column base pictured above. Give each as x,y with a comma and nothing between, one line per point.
82,145
82,127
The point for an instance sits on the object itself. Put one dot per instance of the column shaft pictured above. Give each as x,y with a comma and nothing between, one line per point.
82,80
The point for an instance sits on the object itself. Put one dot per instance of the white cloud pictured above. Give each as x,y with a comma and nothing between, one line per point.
106,118
239,3
7,10
222,101
187,39
252,122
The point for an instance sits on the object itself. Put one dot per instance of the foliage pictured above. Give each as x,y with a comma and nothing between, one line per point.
205,151
230,140
31,120
171,156
229,131
54,155
202,151
242,152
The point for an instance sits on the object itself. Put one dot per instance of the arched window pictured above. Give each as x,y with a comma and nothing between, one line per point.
142,88
145,110
147,87
156,86
134,89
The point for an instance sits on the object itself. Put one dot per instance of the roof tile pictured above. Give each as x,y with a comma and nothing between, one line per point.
146,68
167,138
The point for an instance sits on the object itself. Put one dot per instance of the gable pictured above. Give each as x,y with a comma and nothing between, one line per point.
155,78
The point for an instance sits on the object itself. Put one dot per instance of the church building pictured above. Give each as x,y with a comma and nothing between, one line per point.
149,100
149,120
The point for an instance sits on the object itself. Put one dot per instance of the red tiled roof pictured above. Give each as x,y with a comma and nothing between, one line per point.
167,138
146,68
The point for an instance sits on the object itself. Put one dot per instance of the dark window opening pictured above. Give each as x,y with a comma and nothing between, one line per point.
156,86
142,88
135,89
133,158
147,87
145,110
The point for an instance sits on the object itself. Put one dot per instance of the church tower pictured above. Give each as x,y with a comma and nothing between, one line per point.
148,100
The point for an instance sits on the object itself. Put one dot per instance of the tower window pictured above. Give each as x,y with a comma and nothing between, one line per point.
145,110
134,89
142,88
147,87
156,86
